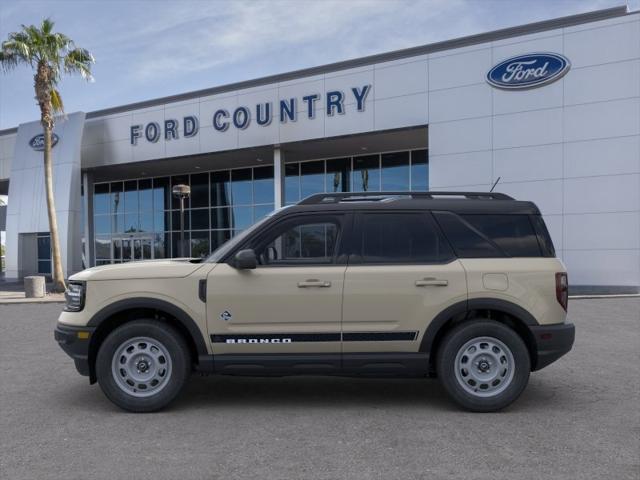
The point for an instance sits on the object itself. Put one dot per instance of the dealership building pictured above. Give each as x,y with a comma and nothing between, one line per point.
549,110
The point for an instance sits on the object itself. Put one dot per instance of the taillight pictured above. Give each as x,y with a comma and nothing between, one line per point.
562,289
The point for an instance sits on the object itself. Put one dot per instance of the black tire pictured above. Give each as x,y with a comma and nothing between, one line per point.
178,373
452,344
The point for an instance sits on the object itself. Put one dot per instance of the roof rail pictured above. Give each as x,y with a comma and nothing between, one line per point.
320,198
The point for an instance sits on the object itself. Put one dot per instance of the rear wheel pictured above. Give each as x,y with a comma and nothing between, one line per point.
143,365
483,365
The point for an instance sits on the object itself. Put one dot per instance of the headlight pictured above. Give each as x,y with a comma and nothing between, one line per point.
74,296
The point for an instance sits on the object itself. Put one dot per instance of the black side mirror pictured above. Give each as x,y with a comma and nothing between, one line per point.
245,260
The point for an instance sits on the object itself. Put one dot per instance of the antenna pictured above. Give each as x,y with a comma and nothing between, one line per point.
494,185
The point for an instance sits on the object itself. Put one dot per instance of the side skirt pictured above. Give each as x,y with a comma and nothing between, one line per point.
347,364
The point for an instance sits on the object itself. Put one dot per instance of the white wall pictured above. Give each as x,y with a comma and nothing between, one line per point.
7,145
573,146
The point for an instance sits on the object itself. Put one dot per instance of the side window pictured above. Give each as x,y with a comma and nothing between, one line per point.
307,241
514,234
401,238
467,241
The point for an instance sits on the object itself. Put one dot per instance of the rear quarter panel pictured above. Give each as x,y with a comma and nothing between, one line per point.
526,282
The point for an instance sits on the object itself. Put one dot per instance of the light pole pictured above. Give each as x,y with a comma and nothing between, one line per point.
182,192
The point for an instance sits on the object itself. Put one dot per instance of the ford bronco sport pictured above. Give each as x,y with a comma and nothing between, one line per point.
462,286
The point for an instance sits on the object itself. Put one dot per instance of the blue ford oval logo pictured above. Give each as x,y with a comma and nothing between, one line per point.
37,142
528,71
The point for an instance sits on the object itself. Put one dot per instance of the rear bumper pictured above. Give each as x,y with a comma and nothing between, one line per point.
74,345
552,342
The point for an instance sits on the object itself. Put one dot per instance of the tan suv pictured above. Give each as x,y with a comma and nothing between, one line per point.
462,286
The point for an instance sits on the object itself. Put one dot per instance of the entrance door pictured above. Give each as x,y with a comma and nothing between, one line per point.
292,301
130,249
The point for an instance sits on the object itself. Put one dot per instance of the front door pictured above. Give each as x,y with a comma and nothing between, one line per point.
401,274
291,303
130,249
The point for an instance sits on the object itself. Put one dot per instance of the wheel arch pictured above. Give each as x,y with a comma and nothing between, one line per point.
503,311
123,311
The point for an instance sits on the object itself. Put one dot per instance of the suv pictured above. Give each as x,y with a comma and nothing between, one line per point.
462,286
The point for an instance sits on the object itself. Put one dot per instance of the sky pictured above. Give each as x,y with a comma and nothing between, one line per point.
146,49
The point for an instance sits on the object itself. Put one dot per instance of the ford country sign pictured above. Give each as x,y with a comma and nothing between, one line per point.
37,142
528,71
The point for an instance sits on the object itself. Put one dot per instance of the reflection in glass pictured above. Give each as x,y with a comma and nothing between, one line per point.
131,196
103,247
179,180
199,244
200,219
366,173
261,211
220,218
117,198
145,195
101,224
200,190
241,191
311,178
292,183
218,237
131,223
161,194
420,170
160,241
338,171
146,222
175,220
160,221
263,185
101,198
242,217
220,189
395,171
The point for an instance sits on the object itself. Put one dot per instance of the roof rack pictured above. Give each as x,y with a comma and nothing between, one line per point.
321,198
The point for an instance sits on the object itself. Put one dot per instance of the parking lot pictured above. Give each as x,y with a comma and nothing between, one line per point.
578,419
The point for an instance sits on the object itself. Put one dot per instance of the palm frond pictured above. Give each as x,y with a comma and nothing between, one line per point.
79,60
56,101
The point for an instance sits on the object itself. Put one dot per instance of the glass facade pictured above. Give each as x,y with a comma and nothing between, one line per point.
140,219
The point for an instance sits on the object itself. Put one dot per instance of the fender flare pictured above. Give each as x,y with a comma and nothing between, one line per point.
153,303
466,306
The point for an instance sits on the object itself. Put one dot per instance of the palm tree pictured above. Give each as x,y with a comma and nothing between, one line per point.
50,55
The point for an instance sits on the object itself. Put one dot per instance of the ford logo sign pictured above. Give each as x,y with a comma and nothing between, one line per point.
528,71
37,142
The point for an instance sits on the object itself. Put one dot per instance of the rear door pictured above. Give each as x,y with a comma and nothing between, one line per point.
401,274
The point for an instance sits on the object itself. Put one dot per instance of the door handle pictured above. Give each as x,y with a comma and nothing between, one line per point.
312,283
431,282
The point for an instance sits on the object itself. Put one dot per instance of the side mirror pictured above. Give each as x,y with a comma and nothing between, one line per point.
245,260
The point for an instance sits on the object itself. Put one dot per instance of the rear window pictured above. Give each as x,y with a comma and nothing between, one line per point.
491,235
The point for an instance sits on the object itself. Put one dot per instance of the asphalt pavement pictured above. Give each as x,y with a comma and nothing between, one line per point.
578,418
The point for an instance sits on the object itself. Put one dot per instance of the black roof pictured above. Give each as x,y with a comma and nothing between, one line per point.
458,202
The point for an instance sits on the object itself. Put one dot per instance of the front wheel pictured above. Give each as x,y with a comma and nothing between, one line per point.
143,365
483,365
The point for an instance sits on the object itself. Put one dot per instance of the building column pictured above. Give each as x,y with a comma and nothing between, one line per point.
87,220
278,177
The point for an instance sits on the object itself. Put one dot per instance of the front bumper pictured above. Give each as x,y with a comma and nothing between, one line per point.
75,342
552,342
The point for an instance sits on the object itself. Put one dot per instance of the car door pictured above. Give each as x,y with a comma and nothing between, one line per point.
291,303
401,274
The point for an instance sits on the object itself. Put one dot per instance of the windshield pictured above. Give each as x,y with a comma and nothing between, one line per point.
229,245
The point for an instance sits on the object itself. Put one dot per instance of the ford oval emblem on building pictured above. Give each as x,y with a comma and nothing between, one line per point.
528,71
37,142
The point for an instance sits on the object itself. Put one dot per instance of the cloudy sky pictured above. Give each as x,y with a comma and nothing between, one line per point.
151,48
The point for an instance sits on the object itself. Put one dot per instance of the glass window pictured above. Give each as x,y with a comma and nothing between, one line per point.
199,244
241,191
175,245
175,220
395,171
146,221
179,180
131,222
292,183
44,266
261,211
118,252
366,174
103,247
311,178
145,195
263,185
131,196
401,238
200,219
161,194
102,224
218,237
200,190
220,218
338,172
242,217
220,189
117,198
514,234
467,241
419,170
160,245
307,241
101,199
546,244
44,247
160,221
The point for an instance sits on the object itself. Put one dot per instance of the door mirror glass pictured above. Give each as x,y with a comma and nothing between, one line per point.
245,260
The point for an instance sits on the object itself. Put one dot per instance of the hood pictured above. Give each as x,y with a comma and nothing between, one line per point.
146,269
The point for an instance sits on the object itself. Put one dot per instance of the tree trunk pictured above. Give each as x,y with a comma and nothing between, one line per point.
58,276
43,95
